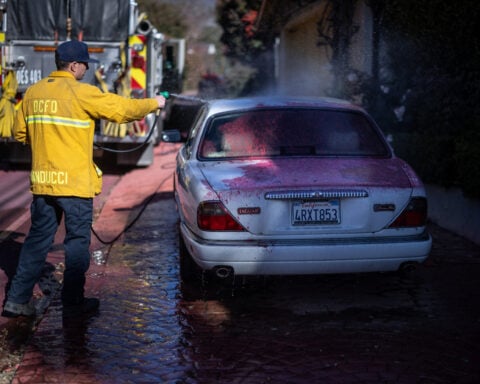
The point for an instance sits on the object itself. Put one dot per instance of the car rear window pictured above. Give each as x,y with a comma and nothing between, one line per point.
291,132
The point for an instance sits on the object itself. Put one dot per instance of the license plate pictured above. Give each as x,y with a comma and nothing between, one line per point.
316,212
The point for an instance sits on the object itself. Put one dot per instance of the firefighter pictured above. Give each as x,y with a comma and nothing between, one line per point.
57,120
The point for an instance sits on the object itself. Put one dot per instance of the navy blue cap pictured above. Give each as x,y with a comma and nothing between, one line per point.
74,50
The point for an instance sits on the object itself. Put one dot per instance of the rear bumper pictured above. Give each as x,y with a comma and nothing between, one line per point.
312,256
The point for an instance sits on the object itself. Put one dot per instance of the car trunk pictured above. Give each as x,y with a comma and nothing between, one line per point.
310,195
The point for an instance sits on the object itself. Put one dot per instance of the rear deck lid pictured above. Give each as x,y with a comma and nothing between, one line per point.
311,195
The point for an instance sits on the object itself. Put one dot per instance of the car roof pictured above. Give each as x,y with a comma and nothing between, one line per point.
227,105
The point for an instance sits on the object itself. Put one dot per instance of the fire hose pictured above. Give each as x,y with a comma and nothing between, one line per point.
111,128
147,139
7,104
99,255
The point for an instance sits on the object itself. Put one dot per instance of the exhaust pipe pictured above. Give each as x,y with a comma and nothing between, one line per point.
223,272
408,267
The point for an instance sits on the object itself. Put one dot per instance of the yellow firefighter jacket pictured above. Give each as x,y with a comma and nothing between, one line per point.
56,119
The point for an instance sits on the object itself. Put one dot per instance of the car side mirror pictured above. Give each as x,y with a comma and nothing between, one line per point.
171,136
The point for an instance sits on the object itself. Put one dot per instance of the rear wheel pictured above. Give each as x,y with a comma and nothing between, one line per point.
194,279
189,270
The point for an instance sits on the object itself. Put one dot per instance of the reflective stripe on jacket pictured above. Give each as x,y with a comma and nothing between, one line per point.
56,119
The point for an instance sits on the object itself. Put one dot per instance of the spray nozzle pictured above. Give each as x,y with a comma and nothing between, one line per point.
165,94
168,95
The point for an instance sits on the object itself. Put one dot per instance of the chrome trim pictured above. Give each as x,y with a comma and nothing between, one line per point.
339,241
388,207
318,194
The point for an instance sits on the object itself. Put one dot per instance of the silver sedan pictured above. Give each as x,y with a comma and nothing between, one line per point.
294,186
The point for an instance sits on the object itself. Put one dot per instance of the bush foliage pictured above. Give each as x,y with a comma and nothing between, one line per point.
434,65
424,86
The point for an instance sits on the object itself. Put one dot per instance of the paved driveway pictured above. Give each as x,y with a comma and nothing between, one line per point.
371,328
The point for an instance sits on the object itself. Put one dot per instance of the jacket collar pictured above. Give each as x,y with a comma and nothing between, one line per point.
61,74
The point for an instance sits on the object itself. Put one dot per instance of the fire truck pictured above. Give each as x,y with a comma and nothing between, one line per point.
135,60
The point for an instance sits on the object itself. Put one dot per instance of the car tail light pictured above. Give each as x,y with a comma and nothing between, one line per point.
212,216
414,215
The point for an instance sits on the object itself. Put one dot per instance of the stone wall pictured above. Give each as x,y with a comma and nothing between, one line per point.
450,209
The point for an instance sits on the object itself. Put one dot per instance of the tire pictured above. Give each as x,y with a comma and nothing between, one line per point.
189,271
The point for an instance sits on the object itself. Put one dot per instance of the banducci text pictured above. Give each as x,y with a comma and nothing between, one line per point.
49,177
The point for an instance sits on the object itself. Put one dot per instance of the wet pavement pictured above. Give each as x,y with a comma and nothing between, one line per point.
423,327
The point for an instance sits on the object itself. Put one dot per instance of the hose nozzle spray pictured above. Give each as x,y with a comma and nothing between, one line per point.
167,95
